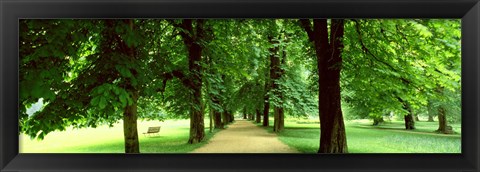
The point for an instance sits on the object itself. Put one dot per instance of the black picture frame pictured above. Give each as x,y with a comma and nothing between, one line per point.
13,10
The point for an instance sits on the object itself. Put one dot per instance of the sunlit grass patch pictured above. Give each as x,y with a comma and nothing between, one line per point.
362,137
172,138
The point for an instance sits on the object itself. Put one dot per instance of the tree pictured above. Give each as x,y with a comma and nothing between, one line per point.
329,63
104,82
397,61
275,75
192,33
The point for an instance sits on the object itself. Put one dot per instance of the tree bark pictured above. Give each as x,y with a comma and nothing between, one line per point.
231,118
275,75
278,122
377,120
266,104
218,119
442,118
191,38
227,117
210,116
130,131
409,120
259,115
279,111
442,122
430,118
244,116
329,62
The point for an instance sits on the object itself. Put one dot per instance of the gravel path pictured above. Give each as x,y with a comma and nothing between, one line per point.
244,137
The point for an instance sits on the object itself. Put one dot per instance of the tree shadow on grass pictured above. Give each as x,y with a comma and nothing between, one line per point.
403,130
302,128
299,134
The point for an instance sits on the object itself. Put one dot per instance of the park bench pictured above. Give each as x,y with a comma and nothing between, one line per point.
152,131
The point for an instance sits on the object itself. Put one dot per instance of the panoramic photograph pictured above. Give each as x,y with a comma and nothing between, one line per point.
302,86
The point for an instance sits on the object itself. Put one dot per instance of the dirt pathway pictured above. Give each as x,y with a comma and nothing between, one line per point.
244,137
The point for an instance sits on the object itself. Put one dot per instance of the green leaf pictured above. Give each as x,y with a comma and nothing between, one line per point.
134,81
116,90
102,103
124,72
123,100
95,101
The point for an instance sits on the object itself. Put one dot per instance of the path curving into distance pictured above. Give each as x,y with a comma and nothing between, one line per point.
244,137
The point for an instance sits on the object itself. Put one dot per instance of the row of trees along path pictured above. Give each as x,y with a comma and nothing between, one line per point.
99,72
244,137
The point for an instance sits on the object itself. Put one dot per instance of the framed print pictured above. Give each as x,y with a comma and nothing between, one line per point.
239,85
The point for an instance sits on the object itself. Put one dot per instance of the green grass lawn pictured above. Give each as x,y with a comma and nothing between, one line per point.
303,135
362,137
172,139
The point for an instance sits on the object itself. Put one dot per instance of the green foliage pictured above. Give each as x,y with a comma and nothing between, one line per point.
297,100
390,60
111,95
87,72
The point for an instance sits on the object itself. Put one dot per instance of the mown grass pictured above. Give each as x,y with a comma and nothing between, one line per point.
303,135
362,137
173,138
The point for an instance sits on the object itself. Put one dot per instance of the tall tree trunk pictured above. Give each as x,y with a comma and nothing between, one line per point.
217,116
130,131
276,61
197,128
259,116
430,118
442,118
329,62
210,115
266,104
191,38
218,119
278,122
377,120
442,122
231,118
227,117
409,121
244,116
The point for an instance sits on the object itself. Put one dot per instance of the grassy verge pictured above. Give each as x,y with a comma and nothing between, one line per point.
172,139
362,137
302,135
